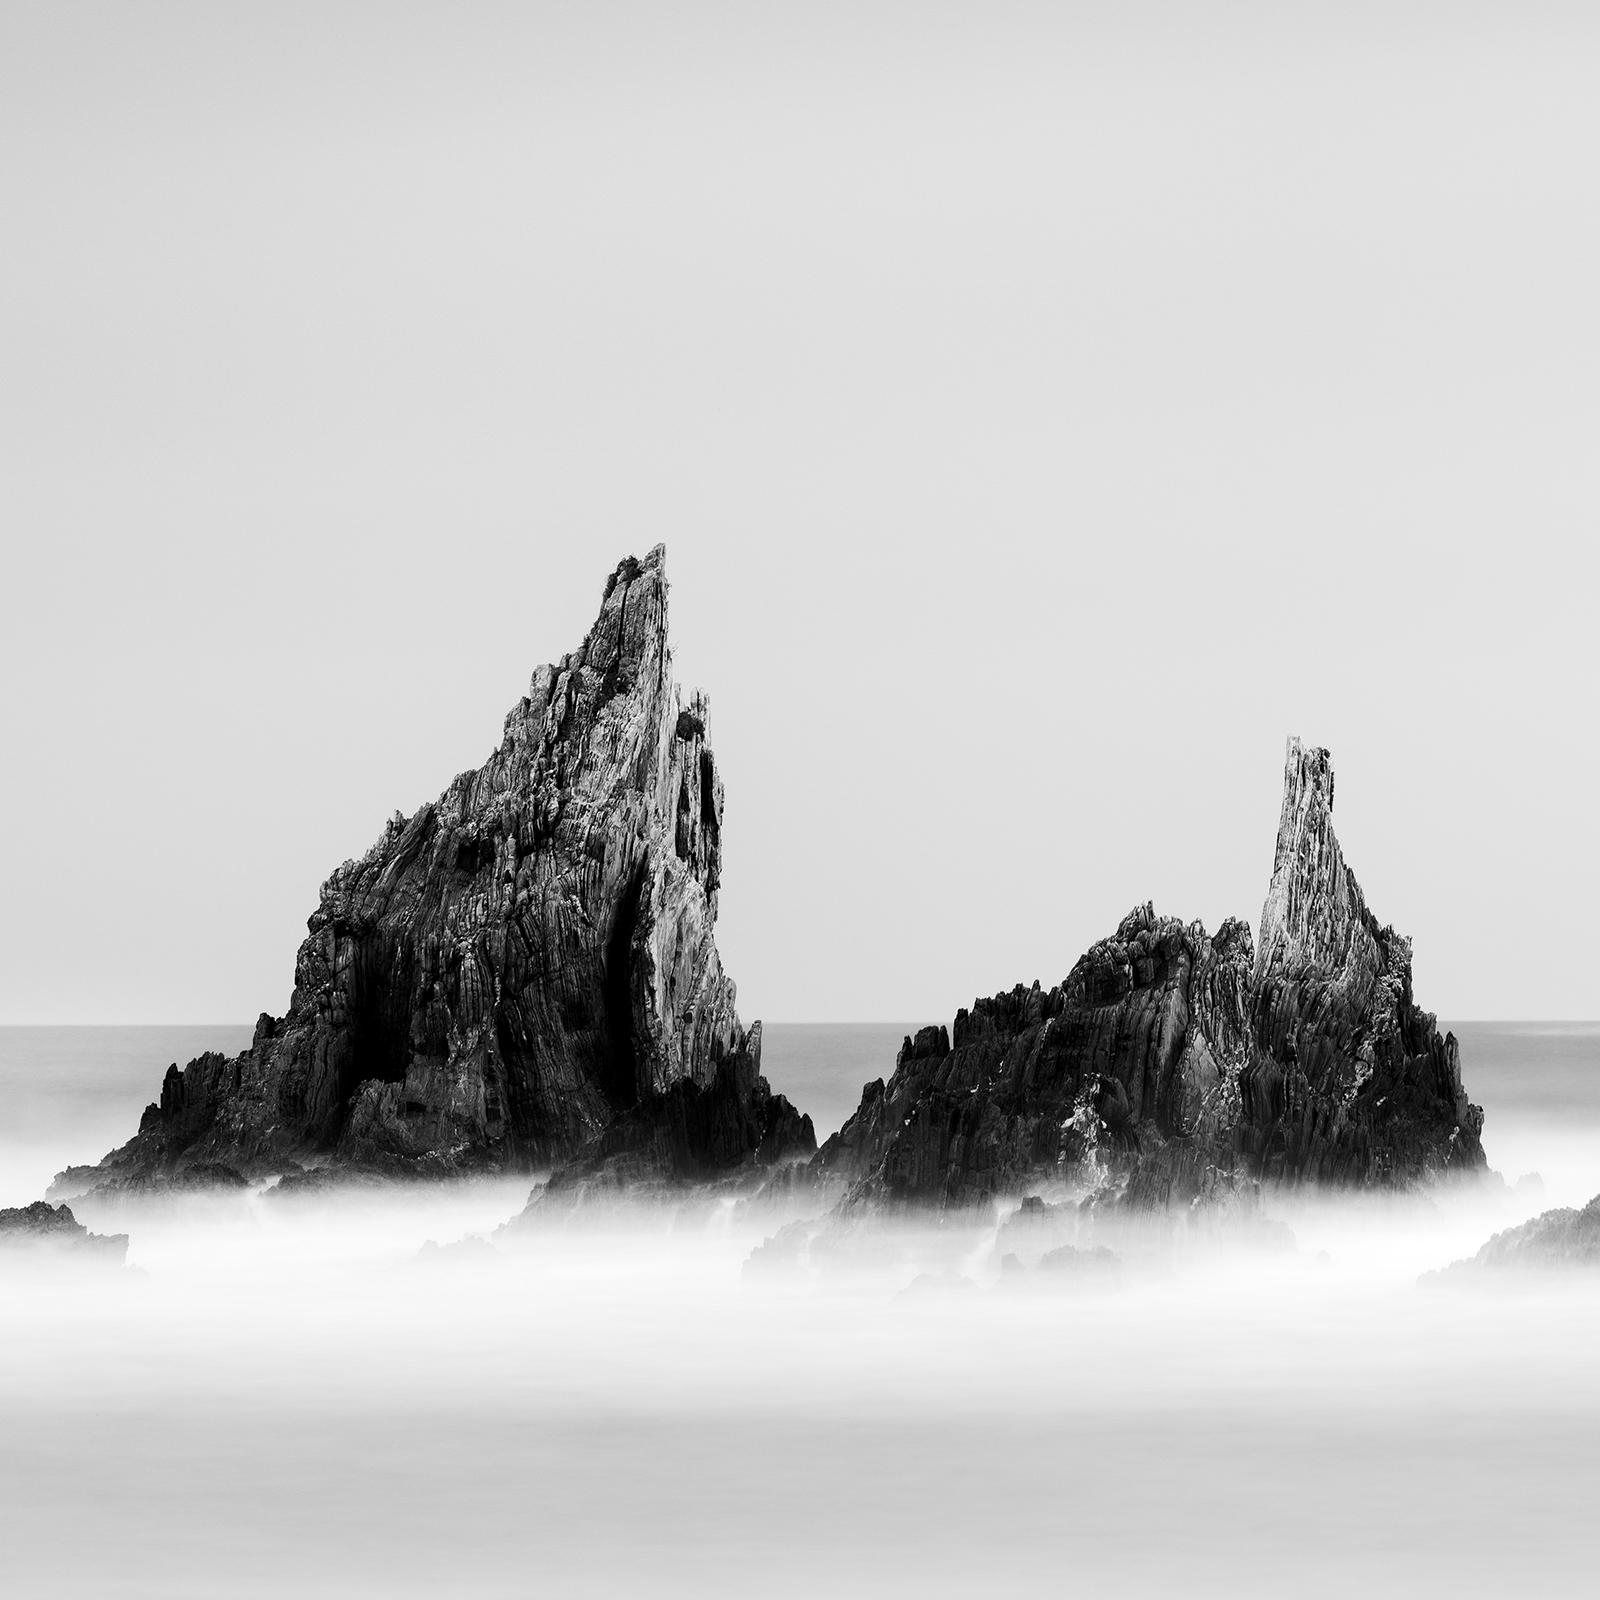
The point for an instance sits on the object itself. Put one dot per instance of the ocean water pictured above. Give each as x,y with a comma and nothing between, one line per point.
296,1399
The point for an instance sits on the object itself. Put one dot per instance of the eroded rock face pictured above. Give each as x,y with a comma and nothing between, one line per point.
508,969
1172,1064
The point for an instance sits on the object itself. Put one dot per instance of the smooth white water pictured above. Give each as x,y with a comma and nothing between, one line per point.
285,1398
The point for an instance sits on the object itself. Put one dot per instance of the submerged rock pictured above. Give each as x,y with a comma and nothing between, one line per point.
1173,1065
472,1250
510,968
937,1285
46,1230
1069,1260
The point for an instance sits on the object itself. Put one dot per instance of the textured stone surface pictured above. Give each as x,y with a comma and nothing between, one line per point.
1172,1064
1559,1239
52,1230
1350,1080
507,969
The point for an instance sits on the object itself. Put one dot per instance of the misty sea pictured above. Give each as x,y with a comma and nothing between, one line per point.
296,1398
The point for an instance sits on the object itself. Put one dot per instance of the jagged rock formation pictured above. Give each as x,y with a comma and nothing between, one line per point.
1171,1064
1554,1240
1350,1079
510,968
52,1231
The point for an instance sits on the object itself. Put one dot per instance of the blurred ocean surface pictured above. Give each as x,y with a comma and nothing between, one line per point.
286,1398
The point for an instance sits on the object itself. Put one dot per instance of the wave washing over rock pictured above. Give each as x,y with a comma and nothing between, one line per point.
522,965
1172,1064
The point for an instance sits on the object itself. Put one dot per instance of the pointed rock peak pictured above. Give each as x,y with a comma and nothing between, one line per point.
1234,941
1307,779
636,584
630,568
627,646
1314,905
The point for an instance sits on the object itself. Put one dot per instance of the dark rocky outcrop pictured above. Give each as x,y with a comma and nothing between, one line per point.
510,969
696,1131
729,1132
40,1230
1172,1064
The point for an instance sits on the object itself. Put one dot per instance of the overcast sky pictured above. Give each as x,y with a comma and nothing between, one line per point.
1047,410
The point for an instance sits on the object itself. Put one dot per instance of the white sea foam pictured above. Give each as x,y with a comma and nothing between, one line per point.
294,1397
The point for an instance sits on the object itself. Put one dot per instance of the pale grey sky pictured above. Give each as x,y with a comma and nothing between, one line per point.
1047,410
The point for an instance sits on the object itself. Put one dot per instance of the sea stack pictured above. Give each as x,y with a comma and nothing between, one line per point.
506,970
1350,1081
1172,1064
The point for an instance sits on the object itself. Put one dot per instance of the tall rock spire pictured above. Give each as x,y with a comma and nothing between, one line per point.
1314,913
1351,1078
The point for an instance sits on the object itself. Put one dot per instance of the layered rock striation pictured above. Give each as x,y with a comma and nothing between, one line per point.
1172,1063
506,971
